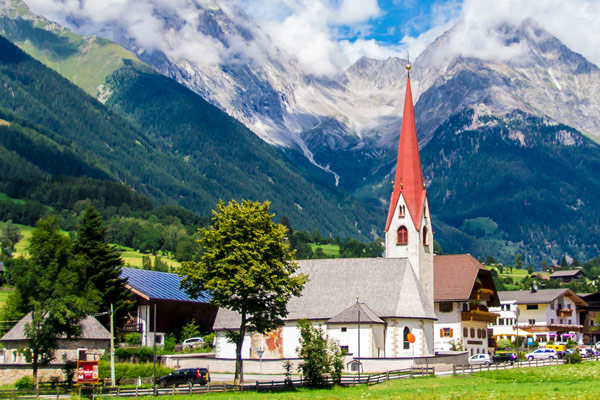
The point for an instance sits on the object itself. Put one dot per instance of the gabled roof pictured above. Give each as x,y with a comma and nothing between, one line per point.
388,285
543,296
455,276
91,330
571,273
409,179
357,312
154,285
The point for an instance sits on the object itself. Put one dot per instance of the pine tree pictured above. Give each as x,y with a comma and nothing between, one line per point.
103,267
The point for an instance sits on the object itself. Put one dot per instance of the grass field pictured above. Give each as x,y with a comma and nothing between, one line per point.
130,257
579,381
330,250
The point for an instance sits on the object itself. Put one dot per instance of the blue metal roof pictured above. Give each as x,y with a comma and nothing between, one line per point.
159,285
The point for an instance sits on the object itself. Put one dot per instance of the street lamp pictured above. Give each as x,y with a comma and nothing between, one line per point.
112,343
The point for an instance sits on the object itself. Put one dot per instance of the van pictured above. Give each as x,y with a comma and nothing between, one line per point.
560,348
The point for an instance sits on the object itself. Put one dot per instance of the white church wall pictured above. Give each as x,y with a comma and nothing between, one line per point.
394,341
350,338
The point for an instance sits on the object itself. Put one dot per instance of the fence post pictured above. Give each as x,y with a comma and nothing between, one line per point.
387,376
14,394
411,372
257,386
136,391
118,391
57,393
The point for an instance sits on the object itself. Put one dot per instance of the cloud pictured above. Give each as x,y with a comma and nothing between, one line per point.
477,34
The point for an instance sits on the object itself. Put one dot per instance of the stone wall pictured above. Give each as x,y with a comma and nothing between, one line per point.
9,374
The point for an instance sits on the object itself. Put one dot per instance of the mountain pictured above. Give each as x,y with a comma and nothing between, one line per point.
513,183
165,142
474,112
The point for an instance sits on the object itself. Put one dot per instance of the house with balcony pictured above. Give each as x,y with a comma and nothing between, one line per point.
464,291
545,315
162,306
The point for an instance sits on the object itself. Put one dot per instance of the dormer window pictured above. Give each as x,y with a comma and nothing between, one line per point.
402,235
401,211
425,241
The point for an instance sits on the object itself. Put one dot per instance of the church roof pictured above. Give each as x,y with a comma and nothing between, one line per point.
358,312
409,179
388,285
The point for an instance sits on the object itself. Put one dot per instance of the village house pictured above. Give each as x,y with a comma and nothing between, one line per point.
567,276
89,346
588,317
160,291
464,293
545,315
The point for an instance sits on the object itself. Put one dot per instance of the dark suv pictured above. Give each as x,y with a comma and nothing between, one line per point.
187,376
505,357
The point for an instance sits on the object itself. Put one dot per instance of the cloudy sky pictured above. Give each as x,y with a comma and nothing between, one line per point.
326,35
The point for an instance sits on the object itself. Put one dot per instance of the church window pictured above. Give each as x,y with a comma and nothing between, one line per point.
425,232
402,235
401,211
406,342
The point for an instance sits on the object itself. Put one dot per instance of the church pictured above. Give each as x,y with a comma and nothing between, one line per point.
376,308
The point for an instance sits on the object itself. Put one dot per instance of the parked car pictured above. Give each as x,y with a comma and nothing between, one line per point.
542,354
480,359
505,357
186,376
193,342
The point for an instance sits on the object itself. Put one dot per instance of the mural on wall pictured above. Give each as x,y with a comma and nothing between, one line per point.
271,343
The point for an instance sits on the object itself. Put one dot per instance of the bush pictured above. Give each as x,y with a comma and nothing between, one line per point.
24,383
574,358
133,339
131,371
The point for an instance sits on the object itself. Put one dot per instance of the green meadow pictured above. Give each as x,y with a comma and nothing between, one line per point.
579,381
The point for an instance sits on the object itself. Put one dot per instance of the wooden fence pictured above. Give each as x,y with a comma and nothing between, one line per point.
94,391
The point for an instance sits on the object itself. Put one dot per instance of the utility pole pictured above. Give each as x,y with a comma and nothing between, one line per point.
154,366
112,347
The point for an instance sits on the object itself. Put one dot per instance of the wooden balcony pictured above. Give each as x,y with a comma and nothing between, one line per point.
479,315
564,312
482,294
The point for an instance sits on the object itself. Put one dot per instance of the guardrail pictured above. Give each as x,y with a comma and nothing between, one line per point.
468,369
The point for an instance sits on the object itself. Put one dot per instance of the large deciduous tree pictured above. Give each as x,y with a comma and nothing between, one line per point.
103,265
52,287
247,267
10,234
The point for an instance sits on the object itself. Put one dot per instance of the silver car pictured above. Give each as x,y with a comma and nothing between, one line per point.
480,359
542,354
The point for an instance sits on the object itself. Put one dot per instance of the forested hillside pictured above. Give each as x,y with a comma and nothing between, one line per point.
171,146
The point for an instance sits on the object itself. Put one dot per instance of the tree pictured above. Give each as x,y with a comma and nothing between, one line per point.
103,265
247,267
575,262
53,288
320,356
518,261
490,260
10,235
563,261
437,249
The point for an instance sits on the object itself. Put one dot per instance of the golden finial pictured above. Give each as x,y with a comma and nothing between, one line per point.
407,61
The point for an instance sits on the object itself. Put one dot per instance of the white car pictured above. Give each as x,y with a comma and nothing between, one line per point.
481,359
193,342
542,354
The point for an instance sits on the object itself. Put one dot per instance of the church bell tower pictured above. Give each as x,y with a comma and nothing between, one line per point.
408,230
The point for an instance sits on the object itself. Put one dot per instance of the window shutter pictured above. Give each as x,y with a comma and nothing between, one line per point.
451,334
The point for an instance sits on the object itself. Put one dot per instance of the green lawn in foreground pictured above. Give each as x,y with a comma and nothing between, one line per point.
555,382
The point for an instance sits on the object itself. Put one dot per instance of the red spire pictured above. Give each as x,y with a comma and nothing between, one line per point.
409,180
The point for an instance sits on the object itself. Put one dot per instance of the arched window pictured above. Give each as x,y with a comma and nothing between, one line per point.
465,332
425,231
401,211
406,342
472,332
402,235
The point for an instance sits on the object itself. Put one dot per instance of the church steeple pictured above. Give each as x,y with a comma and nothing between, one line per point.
409,180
